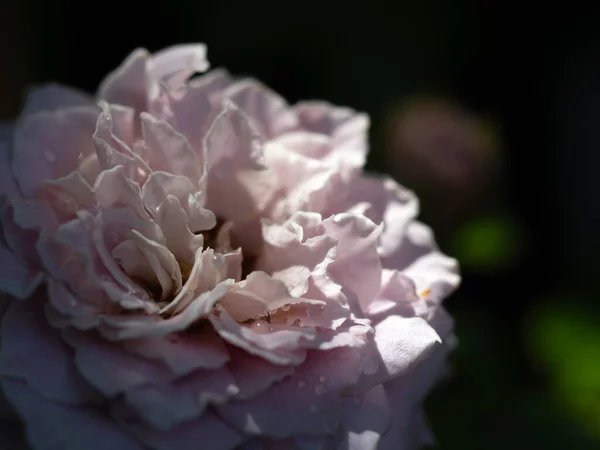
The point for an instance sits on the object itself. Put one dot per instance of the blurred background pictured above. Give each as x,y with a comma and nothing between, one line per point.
489,110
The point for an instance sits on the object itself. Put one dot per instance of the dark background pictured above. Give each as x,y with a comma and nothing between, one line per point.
526,374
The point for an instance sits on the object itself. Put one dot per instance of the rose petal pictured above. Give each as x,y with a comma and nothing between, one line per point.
400,343
184,352
47,145
17,278
128,84
24,333
165,406
53,96
308,402
188,436
51,425
365,420
268,112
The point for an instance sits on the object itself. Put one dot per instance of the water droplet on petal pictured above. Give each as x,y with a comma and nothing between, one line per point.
320,389
233,390
285,308
370,365
312,408
260,326
49,155
301,384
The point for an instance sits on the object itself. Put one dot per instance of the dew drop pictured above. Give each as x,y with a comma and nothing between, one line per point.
233,390
319,389
49,155
285,308
260,326
312,408
301,384
370,365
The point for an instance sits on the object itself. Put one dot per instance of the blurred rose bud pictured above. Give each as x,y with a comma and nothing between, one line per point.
446,153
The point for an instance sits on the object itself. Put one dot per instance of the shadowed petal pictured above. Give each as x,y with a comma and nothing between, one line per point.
52,426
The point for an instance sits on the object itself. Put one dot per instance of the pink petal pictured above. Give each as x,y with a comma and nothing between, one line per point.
177,63
347,129
175,224
160,185
113,130
185,352
114,189
192,111
65,309
169,150
400,343
18,278
268,112
308,402
69,194
281,347
396,297
237,188
209,269
252,374
111,369
53,426
35,354
300,241
165,406
53,96
357,265
123,327
434,274
365,420
255,296
305,184
128,84
47,145
207,429
156,259
406,392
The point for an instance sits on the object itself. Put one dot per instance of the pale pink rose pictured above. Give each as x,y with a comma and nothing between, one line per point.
197,264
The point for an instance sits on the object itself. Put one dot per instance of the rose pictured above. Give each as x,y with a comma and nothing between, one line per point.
194,261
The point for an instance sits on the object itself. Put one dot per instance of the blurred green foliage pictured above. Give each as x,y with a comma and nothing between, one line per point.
565,340
488,243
